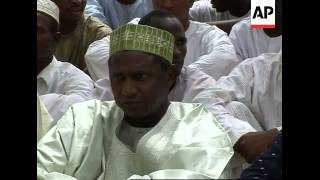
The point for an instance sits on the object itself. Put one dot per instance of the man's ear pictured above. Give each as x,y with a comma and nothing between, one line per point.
172,76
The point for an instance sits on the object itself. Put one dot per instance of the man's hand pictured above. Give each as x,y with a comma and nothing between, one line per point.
252,144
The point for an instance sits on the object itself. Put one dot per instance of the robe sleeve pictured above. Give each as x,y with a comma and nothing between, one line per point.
172,174
235,38
237,86
94,8
220,57
73,147
58,104
97,57
43,119
53,150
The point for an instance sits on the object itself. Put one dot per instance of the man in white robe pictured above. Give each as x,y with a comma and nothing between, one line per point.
219,10
209,48
257,83
59,84
141,134
221,13
190,82
251,42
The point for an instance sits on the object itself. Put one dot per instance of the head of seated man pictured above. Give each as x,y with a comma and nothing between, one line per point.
168,22
237,8
141,79
180,8
71,13
277,31
47,34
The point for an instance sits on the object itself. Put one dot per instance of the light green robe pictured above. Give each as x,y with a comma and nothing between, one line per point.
188,142
43,119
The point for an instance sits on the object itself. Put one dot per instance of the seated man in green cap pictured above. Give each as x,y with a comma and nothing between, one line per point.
141,134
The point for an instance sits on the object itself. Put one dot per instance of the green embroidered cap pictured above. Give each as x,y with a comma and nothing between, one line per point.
142,38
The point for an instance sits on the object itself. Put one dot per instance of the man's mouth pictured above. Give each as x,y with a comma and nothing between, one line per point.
132,102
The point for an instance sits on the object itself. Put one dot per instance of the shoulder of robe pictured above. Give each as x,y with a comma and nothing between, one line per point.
84,114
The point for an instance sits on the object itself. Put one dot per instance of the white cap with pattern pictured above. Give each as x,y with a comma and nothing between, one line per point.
48,7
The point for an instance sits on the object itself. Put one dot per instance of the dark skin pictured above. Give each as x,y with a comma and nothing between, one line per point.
127,2
221,5
140,87
236,8
71,13
277,31
252,144
174,26
180,8
47,38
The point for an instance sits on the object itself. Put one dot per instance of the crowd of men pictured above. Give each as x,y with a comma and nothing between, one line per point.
157,89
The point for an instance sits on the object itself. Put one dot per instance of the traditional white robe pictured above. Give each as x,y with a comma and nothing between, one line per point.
60,85
187,143
203,11
193,86
257,83
252,42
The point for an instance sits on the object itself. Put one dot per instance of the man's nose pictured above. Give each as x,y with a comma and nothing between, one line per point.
129,88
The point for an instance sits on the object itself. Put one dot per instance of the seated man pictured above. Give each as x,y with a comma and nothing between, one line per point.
189,82
118,12
221,13
78,32
59,84
251,42
257,83
209,48
142,132
219,10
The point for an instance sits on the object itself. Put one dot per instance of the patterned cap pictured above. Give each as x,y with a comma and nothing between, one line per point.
48,7
142,38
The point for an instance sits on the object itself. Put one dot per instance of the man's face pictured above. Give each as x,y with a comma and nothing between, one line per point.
46,38
71,10
221,5
139,85
174,26
179,8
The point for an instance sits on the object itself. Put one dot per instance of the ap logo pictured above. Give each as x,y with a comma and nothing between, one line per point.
263,13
